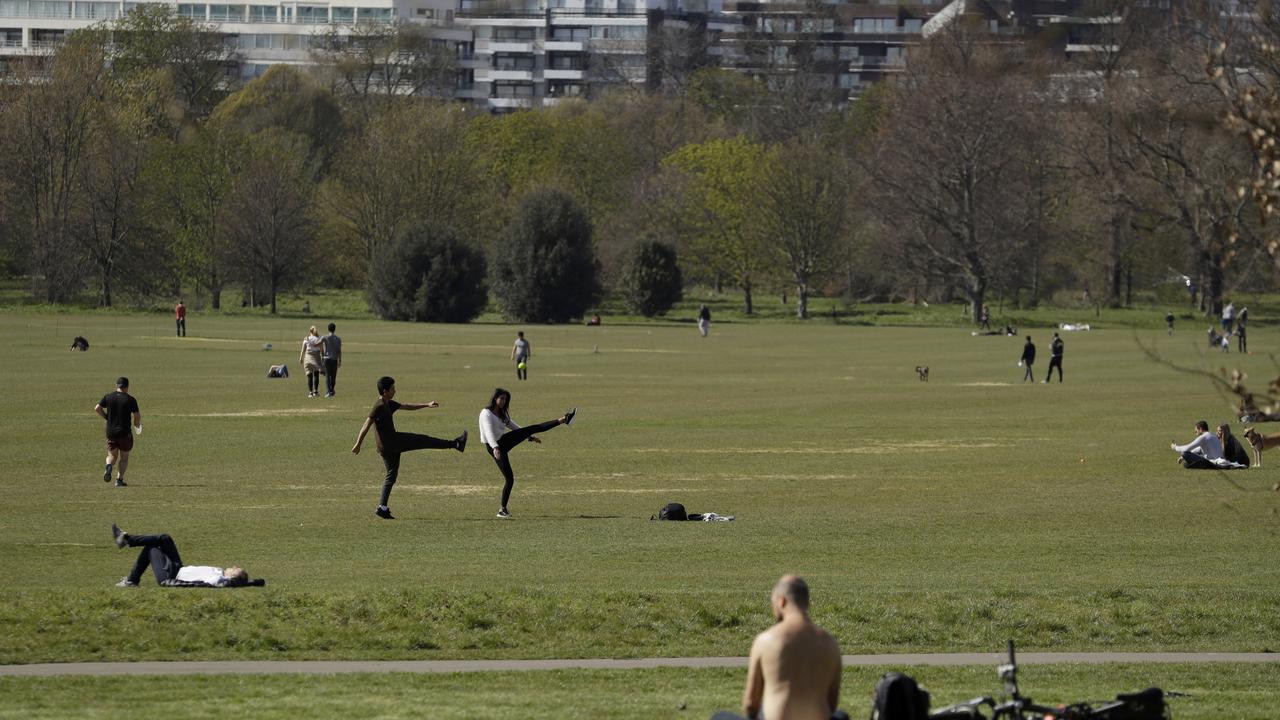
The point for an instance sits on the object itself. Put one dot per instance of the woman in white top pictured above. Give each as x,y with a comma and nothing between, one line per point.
312,359
500,434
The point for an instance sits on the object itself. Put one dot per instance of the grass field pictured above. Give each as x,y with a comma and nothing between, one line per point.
945,516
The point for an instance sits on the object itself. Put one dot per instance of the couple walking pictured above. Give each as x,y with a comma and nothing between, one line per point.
1029,358
499,433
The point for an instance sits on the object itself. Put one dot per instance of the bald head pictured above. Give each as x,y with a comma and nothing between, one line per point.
794,590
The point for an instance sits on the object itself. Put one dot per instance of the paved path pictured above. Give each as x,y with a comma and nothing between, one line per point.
327,667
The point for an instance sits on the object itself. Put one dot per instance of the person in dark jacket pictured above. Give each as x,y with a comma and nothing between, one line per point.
1055,358
1232,448
1028,359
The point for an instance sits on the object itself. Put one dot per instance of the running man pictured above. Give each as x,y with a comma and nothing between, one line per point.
794,668
520,353
119,408
392,444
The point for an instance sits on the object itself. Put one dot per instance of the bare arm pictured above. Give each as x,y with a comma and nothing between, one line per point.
364,430
753,694
137,418
419,406
101,413
303,352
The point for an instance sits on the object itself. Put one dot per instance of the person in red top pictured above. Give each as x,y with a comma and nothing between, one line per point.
180,316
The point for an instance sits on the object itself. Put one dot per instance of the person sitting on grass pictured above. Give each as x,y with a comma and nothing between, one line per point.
1232,449
1200,453
161,553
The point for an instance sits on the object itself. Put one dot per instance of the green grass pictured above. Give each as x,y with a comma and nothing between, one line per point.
1212,692
945,516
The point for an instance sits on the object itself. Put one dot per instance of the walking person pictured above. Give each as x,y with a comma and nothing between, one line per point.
500,434
1055,358
180,317
332,356
119,409
1028,359
704,320
984,318
1168,318
391,444
311,357
520,353
1228,318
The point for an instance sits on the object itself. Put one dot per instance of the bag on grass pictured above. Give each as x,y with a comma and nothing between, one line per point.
673,511
1146,705
899,697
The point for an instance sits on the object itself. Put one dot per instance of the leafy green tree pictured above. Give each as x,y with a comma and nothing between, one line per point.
545,269
721,210
652,283
286,99
428,279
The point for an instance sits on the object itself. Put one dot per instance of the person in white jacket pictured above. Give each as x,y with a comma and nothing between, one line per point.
500,434
160,553
1200,452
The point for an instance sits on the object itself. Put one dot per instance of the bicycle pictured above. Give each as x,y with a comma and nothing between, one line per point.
1148,704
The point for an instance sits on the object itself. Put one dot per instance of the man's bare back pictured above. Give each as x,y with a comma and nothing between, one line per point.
794,670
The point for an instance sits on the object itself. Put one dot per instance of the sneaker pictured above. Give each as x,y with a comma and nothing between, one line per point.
328,395
461,442
384,514
1044,382
126,582
121,483
121,537
106,476
504,514
568,417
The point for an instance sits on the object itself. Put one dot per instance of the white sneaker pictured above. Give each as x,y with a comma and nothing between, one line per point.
502,513
126,582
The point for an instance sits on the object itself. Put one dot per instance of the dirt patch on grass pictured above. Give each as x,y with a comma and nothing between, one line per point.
280,412
883,449
986,384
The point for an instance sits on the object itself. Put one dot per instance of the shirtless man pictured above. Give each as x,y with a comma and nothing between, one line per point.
794,670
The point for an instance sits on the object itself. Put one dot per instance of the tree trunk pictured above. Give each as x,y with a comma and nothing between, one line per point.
1213,262
976,298
273,293
104,298
802,302
748,306
215,298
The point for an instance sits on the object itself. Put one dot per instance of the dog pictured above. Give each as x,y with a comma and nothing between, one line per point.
923,372
1260,442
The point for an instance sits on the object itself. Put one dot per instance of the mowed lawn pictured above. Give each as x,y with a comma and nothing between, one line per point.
940,516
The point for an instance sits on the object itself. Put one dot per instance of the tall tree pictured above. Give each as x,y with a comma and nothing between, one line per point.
368,61
272,230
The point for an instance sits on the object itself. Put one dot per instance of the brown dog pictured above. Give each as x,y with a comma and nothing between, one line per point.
1260,442
923,372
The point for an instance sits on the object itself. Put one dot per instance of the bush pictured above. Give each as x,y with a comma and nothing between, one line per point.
428,279
545,269
651,282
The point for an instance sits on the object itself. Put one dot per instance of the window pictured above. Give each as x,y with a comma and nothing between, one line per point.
313,14
566,62
510,34
95,10
46,9
343,14
574,34
192,12
375,15
911,25
512,90
428,13
848,52
262,13
502,61
226,13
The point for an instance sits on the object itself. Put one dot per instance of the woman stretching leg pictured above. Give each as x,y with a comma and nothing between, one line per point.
501,434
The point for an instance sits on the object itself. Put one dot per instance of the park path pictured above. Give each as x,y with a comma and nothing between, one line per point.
330,667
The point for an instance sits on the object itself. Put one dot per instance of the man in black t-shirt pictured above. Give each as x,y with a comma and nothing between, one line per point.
391,443
1055,358
120,410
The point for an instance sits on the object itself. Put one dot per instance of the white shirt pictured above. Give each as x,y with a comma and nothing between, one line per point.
1207,443
493,427
200,573
311,344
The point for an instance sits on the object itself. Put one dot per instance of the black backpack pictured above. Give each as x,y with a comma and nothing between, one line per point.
898,697
673,511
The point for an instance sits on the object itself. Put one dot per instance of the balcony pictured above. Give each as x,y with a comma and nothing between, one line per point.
510,46
564,46
562,74
511,74
511,102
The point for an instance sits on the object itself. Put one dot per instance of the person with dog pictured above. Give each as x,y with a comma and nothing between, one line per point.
794,668
1200,453
1232,449
1028,359
1055,358
160,553
392,444
120,410
500,435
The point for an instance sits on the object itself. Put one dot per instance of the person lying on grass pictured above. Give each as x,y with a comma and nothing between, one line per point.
161,553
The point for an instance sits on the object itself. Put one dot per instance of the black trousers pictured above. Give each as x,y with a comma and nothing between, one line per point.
330,373
506,443
403,443
1054,362
182,327
158,551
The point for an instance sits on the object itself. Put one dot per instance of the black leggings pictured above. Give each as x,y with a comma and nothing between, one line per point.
158,551
404,442
508,442
313,382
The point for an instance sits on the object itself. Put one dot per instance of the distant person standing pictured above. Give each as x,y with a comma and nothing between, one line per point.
1168,319
1028,359
1242,342
120,410
332,355
392,444
704,320
984,318
1055,358
1242,318
520,353
311,358
180,317
1228,318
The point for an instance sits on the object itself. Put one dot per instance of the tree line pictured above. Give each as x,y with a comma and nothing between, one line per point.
986,168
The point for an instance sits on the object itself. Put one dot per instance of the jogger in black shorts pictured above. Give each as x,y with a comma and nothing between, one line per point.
500,435
392,444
